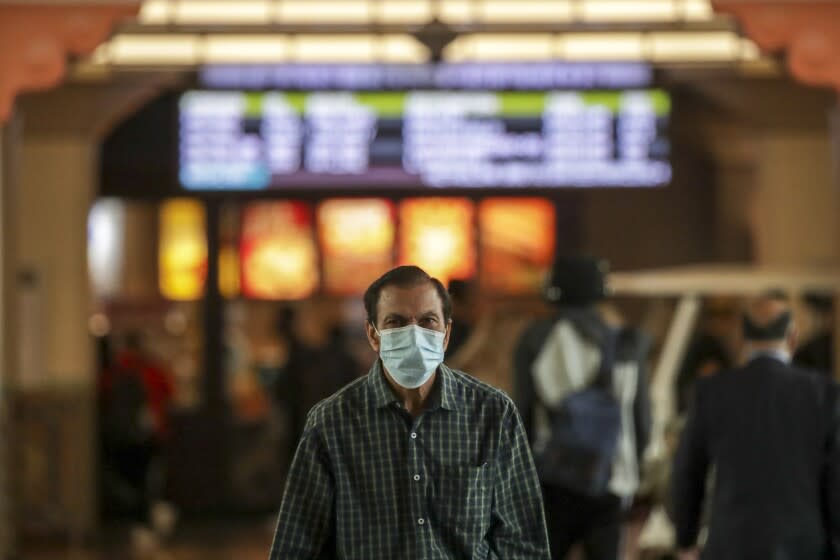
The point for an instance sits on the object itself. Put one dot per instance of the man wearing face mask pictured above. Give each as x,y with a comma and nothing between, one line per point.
414,460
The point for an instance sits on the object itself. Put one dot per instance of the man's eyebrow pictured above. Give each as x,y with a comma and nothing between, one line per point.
394,316
431,312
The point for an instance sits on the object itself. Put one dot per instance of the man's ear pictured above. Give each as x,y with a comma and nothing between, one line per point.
446,337
373,338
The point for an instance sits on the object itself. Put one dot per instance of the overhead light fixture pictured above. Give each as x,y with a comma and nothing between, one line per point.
216,12
436,36
523,11
404,11
601,46
155,11
501,47
403,49
627,10
459,12
334,48
245,49
324,11
153,49
694,47
436,28
189,49
695,10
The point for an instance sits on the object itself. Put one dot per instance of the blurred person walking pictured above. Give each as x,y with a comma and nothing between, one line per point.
135,393
317,365
709,350
581,387
770,432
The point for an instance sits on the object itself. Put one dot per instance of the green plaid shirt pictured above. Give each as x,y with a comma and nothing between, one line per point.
369,482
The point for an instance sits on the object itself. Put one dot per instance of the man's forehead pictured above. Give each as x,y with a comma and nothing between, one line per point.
420,298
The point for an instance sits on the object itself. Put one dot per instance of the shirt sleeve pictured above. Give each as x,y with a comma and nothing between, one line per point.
688,483
517,525
304,525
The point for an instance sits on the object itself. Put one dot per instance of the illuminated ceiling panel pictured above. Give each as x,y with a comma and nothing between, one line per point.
245,49
523,11
624,10
403,11
508,47
324,11
197,32
215,12
457,12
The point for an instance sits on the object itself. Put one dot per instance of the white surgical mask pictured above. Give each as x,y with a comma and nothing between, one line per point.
411,354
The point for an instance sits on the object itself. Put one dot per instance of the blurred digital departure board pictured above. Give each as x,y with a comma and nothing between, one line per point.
423,139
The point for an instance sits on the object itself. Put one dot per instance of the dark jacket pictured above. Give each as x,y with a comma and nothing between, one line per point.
817,354
770,431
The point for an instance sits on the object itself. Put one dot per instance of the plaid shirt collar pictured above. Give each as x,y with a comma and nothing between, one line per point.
444,392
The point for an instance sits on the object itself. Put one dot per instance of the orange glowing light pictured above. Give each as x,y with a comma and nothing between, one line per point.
182,253
357,238
437,234
279,258
517,243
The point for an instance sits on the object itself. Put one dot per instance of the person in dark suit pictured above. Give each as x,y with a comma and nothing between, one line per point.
818,352
770,431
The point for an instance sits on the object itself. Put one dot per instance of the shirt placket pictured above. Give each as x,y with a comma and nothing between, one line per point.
417,480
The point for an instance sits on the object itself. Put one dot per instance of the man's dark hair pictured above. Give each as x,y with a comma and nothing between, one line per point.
459,289
759,325
577,280
404,277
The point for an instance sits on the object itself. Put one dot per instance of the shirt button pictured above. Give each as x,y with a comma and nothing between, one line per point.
416,477
413,435
421,521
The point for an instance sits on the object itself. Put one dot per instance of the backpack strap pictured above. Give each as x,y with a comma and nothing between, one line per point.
608,348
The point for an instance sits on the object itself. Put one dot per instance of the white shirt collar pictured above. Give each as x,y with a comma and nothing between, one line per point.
781,355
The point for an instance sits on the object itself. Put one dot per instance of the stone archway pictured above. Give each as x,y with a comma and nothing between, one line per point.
808,32
36,38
